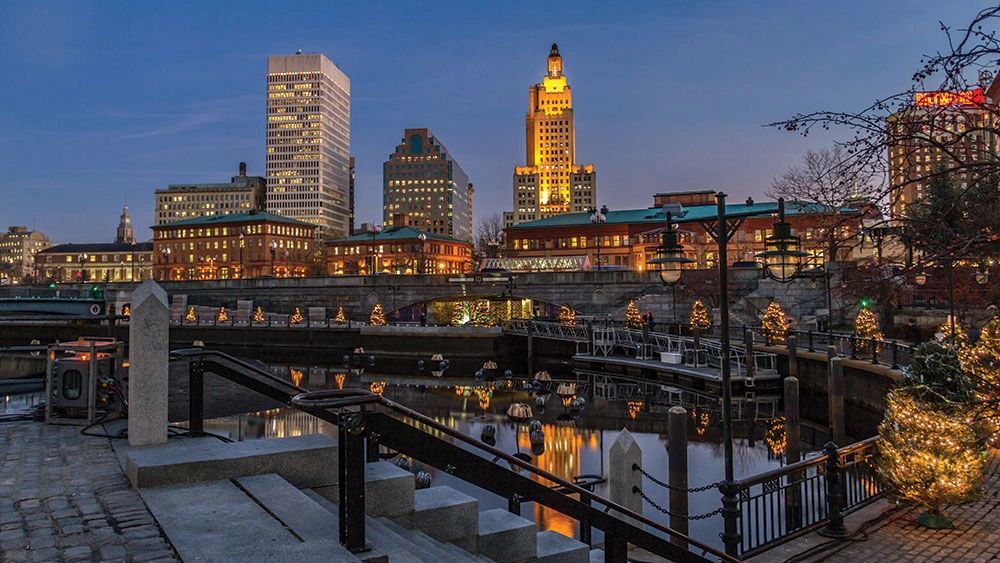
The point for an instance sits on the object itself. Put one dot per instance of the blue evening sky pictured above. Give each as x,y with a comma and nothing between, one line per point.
106,101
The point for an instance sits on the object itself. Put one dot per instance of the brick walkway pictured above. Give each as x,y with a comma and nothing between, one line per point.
64,497
975,537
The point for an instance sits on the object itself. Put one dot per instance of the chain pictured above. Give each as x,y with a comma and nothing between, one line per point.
671,514
635,467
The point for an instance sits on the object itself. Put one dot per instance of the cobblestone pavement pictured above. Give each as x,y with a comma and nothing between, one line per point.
975,537
64,497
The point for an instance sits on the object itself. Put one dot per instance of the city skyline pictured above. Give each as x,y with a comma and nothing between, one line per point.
87,139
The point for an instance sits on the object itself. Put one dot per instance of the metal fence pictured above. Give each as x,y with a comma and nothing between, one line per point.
780,505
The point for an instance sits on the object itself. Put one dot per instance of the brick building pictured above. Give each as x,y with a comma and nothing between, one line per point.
95,262
628,238
233,246
398,250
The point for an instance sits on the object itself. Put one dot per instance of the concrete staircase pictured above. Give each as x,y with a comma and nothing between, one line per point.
259,503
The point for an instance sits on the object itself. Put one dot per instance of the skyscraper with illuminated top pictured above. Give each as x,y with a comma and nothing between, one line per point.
551,182
308,141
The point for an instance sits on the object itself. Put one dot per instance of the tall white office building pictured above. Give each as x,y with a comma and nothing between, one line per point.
309,141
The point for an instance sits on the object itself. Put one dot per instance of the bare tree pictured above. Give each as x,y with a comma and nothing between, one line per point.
941,110
490,237
828,178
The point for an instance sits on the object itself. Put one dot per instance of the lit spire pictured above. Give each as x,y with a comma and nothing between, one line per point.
555,62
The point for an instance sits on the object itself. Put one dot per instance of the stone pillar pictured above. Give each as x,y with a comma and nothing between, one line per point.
677,462
793,356
244,310
148,358
838,433
622,479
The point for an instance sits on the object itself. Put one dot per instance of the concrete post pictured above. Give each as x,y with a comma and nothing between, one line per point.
791,344
148,358
751,366
838,433
793,497
677,462
623,481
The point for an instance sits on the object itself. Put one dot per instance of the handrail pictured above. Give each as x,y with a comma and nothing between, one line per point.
564,486
318,401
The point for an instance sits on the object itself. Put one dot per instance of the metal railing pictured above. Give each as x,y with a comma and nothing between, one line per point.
367,422
780,505
878,351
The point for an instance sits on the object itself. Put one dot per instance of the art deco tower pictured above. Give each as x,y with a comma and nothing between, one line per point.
551,182
309,141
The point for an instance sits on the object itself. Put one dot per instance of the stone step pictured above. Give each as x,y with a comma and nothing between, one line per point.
554,547
389,491
218,521
447,515
505,536
299,513
383,540
304,461
441,551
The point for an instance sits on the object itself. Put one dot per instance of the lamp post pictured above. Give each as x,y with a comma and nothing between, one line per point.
83,274
782,261
274,248
242,244
373,230
422,237
670,259
165,253
597,218
121,270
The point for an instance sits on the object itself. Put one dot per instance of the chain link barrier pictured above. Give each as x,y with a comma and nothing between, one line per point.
635,467
652,503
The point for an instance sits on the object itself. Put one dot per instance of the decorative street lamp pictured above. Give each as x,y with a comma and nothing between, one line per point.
242,244
83,274
670,259
598,218
165,253
782,256
373,230
422,237
920,279
274,248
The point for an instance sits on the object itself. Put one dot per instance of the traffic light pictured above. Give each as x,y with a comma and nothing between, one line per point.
864,303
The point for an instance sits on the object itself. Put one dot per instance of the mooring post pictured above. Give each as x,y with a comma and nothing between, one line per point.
677,462
793,453
791,344
837,392
624,482
751,364
149,365
834,493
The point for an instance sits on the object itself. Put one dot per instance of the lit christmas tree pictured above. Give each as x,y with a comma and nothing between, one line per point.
191,316
567,316
866,325
126,310
296,317
931,448
377,318
258,315
982,362
774,323
699,320
222,316
481,315
340,317
633,318
459,313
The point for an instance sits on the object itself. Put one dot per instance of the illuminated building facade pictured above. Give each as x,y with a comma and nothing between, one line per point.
551,183
126,233
309,141
18,247
399,250
177,202
423,181
233,246
628,239
95,262
940,131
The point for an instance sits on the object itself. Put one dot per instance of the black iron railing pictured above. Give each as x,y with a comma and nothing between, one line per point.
367,422
879,351
785,503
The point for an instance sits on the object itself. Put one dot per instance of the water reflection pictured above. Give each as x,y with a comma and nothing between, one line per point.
573,445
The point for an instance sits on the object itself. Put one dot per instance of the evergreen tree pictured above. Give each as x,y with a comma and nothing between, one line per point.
699,319
774,323
340,317
633,318
377,316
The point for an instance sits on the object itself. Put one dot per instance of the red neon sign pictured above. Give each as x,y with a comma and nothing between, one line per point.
973,97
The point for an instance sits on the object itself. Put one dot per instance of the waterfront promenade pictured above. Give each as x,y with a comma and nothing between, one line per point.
64,497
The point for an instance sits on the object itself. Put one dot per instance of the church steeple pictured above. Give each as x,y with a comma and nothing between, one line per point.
555,62
126,234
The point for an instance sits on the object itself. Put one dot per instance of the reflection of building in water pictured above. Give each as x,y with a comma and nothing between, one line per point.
563,445
272,423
